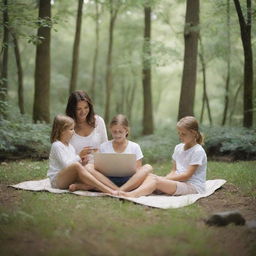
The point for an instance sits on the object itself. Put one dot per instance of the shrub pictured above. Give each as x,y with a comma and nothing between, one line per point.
159,146
20,138
221,143
236,143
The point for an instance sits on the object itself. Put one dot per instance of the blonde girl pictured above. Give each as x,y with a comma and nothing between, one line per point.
65,166
119,129
188,172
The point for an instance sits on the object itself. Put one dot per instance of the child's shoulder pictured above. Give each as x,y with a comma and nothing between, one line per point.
199,149
133,144
179,146
57,143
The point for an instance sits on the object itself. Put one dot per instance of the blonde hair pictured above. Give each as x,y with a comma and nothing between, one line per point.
60,124
190,123
120,120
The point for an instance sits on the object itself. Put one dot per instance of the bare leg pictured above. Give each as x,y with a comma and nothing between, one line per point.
76,172
146,188
102,178
166,186
79,186
137,179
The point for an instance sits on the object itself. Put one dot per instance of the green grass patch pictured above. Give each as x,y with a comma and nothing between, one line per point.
64,224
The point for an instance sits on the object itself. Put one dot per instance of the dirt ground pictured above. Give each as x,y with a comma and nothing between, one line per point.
238,240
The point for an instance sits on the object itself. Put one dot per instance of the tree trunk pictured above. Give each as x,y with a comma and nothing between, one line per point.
234,102
109,78
245,27
191,32
205,98
148,125
74,71
96,51
130,96
41,110
20,74
226,101
4,51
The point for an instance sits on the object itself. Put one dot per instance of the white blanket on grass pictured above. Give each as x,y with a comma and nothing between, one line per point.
158,201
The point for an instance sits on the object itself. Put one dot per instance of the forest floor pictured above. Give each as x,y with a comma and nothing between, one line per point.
47,224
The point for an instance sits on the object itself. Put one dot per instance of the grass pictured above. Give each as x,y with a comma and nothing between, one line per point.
66,224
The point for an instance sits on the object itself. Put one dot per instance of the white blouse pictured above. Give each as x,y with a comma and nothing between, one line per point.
94,139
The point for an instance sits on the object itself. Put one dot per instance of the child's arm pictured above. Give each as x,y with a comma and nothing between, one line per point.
138,163
61,156
172,172
182,176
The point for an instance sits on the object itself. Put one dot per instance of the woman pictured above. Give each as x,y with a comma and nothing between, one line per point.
90,131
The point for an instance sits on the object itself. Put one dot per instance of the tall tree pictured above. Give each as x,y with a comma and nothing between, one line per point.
4,60
41,109
96,50
226,102
205,99
188,85
74,72
148,125
19,72
245,28
113,8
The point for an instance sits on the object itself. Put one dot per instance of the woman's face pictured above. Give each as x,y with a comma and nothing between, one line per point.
82,110
118,132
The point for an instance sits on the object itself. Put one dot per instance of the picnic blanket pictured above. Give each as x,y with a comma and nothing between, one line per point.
157,201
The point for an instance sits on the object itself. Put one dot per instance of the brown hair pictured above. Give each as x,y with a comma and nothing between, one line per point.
190,123
73,99
121,120
60,124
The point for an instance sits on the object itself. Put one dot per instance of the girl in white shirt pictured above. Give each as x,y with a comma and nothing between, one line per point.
65,166
188,173
119,129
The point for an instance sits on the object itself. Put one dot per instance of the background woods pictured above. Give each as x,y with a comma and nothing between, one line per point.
153,60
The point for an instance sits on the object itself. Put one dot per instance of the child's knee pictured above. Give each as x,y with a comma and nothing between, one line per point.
147,168
76,165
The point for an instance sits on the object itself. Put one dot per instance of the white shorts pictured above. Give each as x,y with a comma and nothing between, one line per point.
185,188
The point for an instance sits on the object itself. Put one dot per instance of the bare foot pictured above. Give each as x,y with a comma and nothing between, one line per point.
78,186
126,194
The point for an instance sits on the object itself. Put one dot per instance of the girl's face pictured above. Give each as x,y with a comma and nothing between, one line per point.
67,134
186,136
118,132
82,110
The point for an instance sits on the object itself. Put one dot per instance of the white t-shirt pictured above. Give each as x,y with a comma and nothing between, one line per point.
192,156
132,148
60,157
97,136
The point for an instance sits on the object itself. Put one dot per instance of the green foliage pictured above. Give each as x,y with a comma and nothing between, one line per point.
237,143
220,142
158,147
20,138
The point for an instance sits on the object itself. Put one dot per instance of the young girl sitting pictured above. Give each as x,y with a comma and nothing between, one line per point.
119,129
188,173
65,167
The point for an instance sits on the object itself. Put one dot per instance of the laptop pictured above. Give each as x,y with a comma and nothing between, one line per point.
115,164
